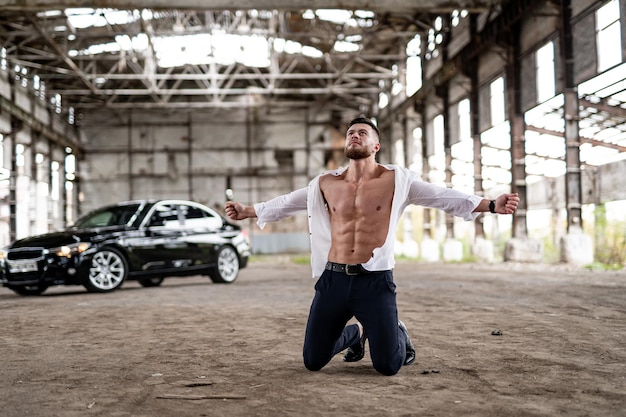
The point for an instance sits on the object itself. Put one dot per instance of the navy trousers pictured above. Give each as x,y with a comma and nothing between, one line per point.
371,299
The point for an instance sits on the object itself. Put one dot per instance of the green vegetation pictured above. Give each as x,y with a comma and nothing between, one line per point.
551,251
300,259
610,241
599,266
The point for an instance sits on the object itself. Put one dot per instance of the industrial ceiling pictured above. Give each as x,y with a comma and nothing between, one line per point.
98,64
41,37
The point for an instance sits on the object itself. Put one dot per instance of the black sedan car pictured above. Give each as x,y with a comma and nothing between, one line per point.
141,240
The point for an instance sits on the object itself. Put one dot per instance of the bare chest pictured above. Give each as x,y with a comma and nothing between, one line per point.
368,198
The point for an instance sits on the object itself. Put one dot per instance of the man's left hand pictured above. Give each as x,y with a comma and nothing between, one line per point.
507,203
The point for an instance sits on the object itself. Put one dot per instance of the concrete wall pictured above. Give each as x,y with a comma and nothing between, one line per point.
197,155
184,155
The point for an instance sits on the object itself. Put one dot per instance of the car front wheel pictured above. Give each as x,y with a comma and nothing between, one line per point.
227,267
107,272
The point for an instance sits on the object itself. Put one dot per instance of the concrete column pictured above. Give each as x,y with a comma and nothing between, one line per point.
452,250
481,247
429,250
575,246
478,166
129,151
12,182
518,170
425,168
443,93
520,248
573,183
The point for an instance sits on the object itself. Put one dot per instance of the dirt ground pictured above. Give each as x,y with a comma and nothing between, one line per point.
193,348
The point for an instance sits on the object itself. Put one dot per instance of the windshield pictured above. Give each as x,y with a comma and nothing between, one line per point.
108,216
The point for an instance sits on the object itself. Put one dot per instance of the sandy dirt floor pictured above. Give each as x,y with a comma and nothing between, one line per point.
193,348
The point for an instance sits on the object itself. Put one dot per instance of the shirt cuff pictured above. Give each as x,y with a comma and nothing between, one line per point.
258,209
475,201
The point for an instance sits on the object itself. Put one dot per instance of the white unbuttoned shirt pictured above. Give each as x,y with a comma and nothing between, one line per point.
409,189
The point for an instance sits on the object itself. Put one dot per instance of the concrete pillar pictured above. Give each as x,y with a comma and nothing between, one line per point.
429,250
518,131
425,167
443,91
472,72
520,248
408,247
573,181
576,247
523,250
452,250
518,177
482,249
12,182
445,98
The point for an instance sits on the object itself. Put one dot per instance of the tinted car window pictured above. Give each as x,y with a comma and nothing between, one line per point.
198,218
109,216
166,215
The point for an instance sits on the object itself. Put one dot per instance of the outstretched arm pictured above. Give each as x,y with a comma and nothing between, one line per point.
269,211
504,204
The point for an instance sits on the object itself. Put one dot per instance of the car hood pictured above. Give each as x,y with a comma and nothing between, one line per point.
65,237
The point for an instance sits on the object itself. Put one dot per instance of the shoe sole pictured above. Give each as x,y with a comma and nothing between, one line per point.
350,356
408,359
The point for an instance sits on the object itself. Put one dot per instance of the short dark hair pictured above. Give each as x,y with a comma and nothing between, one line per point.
366,121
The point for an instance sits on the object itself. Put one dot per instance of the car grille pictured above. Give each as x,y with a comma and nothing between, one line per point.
25,253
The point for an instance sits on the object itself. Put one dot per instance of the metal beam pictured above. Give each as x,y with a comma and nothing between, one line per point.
593,142
229,91
223,76
63,55
37,126
185,105
603,106
390,6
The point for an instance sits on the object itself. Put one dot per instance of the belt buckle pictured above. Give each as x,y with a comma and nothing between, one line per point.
353,269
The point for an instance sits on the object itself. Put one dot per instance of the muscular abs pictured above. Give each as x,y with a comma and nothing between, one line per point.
359,215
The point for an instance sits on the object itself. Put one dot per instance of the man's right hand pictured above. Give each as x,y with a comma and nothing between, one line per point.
238,211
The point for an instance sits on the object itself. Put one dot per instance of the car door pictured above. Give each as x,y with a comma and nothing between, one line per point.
162,247
200,232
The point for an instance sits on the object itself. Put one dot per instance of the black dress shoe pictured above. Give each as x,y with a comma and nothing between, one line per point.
356,352
410,349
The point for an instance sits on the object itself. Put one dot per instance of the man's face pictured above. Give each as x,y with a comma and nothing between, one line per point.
361,141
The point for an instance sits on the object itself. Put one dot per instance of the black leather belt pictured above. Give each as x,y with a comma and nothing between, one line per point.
348,269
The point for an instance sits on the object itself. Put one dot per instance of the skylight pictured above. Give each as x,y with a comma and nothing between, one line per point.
220,48
84,17
358,18
205,48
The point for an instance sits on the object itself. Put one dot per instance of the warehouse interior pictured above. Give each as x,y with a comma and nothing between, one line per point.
134,99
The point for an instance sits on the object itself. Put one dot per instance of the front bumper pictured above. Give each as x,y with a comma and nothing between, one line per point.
43,270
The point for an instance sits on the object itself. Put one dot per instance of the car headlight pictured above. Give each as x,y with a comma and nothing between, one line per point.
68,251
3,254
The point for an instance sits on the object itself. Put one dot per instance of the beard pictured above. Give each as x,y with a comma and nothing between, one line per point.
356,152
